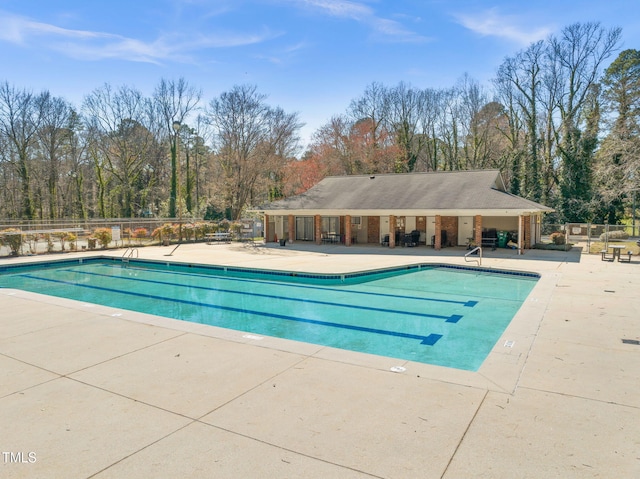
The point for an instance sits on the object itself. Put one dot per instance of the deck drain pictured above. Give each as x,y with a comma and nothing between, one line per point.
631,341
509,343
398,369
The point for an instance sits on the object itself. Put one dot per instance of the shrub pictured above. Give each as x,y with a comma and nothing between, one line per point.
557,238
12,240
103,235
72,238
32,242
223,225
164,232
63,238
48,237
199,230
188,230
236,228
614,235
139,234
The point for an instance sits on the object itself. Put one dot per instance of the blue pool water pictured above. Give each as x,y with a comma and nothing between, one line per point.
431,314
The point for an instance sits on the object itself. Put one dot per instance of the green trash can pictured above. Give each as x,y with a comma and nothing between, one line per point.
502,239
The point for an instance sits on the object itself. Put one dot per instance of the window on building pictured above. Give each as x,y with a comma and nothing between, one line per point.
331,224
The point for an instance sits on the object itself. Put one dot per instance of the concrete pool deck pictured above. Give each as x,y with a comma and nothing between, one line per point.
96,392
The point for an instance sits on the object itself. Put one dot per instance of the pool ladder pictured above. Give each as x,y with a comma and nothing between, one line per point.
128,254
477,249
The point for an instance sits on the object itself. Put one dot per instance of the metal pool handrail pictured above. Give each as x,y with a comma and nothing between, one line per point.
474,250
131,252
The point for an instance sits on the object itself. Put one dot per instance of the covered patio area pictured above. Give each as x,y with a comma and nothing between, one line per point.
462,208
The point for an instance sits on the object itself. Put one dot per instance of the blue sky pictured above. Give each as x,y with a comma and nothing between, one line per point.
309,56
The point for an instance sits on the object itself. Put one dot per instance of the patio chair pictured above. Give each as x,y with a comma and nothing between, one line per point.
443,239
415,237
412,239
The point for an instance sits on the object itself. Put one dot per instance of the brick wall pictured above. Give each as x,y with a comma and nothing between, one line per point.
392,231
526,231
477,226
291,226
450,225
373,229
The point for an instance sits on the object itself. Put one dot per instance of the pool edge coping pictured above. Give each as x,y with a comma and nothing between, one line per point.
274,272
498,372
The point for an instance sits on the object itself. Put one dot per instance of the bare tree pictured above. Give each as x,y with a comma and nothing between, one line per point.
449,129
472,99
175,100
430,112
403,121
53,135
332,148
120,123
79,168
369,115
20,119
617,167
577,55
252,140
519,82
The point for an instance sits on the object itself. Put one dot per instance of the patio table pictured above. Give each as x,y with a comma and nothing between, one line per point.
616,251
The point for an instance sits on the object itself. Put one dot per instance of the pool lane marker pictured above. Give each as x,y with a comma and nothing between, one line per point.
469,303
454,318
428,340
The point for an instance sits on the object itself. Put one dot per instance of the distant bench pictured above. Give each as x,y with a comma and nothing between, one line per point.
218,238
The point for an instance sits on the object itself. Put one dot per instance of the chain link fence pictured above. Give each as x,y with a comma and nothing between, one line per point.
593,238
38,237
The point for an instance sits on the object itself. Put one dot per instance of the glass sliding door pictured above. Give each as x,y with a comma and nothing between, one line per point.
331,224
304,228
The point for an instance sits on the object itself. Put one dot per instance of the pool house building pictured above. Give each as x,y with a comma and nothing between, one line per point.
436,209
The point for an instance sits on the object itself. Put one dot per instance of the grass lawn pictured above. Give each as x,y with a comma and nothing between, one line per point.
598,246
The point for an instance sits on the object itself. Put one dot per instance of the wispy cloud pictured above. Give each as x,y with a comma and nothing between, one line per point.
362,13
17,29
341,8
89,45
510,27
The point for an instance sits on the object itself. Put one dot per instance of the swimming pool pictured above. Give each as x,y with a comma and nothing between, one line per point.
435,314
